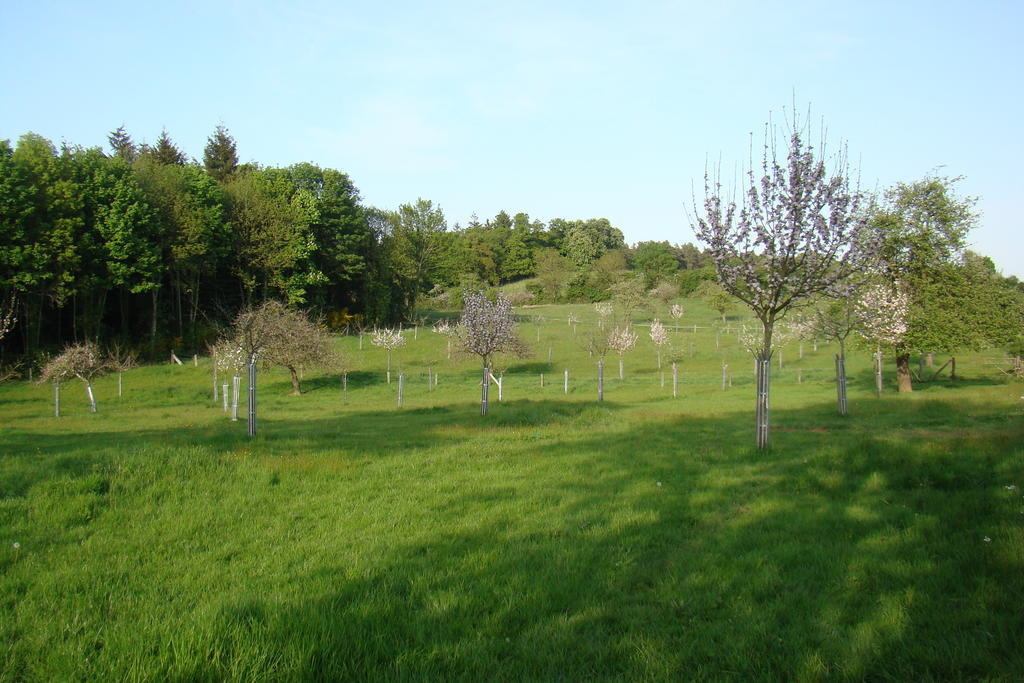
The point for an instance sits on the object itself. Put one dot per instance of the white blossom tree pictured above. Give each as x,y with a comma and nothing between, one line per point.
622,340
230,357
389,340
883,311
659,336
487,328
798,231
445,328
677,314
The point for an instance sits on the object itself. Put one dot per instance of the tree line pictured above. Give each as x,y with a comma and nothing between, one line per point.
139,245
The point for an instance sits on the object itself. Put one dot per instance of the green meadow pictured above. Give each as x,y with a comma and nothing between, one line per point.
641,537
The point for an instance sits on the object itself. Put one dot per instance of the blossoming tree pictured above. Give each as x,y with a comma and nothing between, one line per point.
798,231
389,340
882,311
487,328
621,340
659,336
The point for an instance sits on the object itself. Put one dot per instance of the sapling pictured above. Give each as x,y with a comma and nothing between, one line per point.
83,361
835,320
487,328
389,340
230,357
621,340
597,344
120,362
677,313
445,328
659,335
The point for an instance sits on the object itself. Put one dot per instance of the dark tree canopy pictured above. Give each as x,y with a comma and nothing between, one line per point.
220,157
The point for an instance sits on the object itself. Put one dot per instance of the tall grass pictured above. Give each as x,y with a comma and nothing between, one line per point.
559,537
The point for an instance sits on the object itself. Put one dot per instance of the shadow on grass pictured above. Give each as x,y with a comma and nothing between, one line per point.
810,561
864,561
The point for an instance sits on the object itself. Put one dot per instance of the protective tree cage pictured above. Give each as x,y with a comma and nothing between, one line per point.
763,366
841,383
485,387
600,380
878,372
252,397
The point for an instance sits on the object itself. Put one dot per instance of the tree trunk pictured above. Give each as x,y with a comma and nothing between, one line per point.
903,382
620,368
91,395
152,323
600,380
296,388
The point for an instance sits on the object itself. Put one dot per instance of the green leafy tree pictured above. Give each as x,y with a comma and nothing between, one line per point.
552,272
922,230
272,240
655,261
341,233
415,241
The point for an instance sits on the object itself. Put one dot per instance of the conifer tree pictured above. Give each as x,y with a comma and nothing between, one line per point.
123,145
221,155
166,153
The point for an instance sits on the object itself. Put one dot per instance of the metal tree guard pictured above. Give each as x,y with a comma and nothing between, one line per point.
841,383
252,396
763,379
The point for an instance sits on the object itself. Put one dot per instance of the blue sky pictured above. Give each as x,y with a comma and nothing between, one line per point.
571,109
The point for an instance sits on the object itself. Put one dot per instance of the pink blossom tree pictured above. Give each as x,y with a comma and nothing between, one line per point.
487,328
798,231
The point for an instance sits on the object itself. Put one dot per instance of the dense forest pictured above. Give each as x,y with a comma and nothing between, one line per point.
140,246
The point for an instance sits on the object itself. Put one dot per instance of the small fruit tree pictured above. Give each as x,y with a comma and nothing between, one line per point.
388,340
487,328
282,336
799,231
621,340
83,361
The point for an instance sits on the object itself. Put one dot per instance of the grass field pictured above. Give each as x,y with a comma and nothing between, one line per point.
557,538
